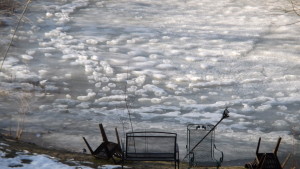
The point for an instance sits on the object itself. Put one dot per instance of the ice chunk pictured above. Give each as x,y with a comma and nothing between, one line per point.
49,15
111,85
98,84
122,76
92,41
111,98
159,76
156,90
172,86
27,57
51,88
104,79
84,105
140,80
90,96
165,66
43,72
263,108
156,100
213,84
30,52
105,88
280,123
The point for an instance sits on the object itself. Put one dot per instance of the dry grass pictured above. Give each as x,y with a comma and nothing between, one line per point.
24,102
4,93
8,5
15,30
8,8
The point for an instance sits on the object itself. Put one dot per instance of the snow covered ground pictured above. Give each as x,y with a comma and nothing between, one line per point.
176,62
27,160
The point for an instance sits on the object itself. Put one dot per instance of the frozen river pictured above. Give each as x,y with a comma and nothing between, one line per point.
167,63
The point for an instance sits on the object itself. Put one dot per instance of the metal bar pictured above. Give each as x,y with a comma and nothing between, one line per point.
153,136
149,132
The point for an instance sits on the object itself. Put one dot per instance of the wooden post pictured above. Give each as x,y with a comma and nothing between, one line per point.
118,138
277,146
258,144
104,137
88,145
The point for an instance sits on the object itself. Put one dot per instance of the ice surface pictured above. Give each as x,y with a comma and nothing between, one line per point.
168,63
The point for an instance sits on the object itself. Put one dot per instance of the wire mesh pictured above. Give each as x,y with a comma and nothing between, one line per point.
154,142
203,153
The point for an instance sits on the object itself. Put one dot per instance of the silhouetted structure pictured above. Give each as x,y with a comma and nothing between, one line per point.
266,160
106,150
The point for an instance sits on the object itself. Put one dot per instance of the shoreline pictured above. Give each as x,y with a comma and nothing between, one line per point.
65,156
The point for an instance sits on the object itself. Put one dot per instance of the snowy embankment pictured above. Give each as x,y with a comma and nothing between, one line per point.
10,158
175,62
